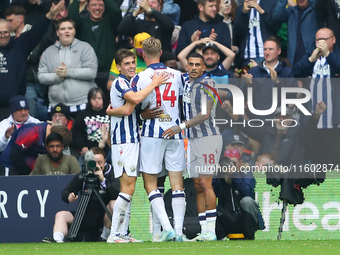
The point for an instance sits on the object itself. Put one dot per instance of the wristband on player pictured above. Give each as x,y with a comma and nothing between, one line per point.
182,126
140,116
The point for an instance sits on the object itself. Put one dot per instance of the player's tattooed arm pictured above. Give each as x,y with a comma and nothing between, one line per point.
198,119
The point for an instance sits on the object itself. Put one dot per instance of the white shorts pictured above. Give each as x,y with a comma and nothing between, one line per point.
204,155
154,150
125,159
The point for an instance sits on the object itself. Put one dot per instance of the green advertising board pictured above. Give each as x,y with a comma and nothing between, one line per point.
317,218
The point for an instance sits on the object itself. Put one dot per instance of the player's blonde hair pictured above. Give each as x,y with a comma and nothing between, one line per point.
152,47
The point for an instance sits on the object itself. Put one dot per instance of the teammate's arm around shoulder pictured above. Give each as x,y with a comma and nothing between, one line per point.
137,97
121,111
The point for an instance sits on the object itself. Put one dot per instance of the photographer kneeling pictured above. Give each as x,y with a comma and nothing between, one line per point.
237,210
94,215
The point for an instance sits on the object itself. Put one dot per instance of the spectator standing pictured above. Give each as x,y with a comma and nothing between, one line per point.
15,16
13,57
329,12
302,26
228,11
253,25
69,68
172,10
155,23
100,31
208,23
35,9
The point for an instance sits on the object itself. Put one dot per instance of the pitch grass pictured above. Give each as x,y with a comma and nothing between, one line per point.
283,247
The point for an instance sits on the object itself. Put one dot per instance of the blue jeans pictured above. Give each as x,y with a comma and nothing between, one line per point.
33,93
32,98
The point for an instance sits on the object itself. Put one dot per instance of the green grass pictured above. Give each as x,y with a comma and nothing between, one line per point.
299,247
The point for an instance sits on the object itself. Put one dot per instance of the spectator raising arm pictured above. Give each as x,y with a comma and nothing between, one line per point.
182,56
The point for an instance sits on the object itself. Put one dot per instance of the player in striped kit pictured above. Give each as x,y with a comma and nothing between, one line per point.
125,139
155,149
205,142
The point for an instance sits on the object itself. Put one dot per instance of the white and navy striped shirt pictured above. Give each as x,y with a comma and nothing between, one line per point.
321,90
254,44
165,96
186,96
123,129
193,93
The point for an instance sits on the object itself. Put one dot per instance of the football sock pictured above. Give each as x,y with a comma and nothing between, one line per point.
178,208
158,207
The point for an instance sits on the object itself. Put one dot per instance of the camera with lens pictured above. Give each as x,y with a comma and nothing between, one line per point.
227,165
227,162
90,167
88,174
273,177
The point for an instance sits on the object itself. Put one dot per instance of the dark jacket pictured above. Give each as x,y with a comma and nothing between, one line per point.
13,61
24,147
100,35
86,128
309,26
304,69
108,192
49,38
161,28
326,10
291,148
263,84
230,212
33,11
189,27
268,25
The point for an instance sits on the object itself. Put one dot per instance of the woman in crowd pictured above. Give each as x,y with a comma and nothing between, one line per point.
90,128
